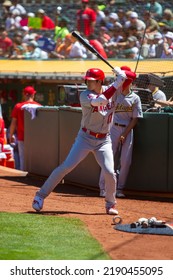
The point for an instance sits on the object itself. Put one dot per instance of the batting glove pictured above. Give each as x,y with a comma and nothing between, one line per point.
117,70
120,78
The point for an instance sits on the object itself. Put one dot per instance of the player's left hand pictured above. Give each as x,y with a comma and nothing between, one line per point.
117,71
122,139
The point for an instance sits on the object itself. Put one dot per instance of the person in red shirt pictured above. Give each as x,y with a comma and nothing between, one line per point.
17,122
5,43
86,19
2,133
97,45
47,22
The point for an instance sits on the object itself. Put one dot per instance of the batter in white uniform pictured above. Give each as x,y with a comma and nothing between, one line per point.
98,105
127,111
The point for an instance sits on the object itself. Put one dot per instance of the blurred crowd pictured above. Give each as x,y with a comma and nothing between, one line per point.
114,31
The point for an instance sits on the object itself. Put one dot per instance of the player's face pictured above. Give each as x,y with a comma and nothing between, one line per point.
91,84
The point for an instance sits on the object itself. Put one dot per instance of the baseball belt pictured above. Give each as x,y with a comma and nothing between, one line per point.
96,135
118,124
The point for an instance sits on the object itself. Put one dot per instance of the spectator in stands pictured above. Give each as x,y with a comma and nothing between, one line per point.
155,9
62,29
152,46
122,16
113,21
18,37
5,43
9,22
17,7
17,122
168,45
136,22
143,45
151,23
111,46
77,50
100,15
58,13
62,50
97,46
17,19
18,49
158,41
128,49
132,31
103,35
132,45
6,9
24,20
34,52
86,19
26,35
167,18
47,22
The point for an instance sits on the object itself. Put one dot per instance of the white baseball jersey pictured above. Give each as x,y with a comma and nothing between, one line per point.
96,118
127,107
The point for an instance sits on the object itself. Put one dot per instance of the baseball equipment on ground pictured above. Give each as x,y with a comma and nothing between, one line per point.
85,43
145,223
153,222
139,222
117,220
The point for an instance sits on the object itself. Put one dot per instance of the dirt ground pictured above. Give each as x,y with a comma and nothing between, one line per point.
18,189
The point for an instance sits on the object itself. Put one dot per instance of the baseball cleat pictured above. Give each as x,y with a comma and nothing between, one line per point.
112,210
37,203
102,193
120,194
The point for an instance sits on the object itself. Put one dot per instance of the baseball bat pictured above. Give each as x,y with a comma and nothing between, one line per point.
118,159
89,47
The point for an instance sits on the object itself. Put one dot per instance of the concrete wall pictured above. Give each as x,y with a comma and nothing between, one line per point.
42,141
149,167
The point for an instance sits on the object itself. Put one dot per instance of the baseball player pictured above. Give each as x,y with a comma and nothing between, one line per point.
17,121
127,111
97,103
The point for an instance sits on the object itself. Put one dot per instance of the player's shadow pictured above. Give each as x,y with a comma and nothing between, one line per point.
56,213
69,189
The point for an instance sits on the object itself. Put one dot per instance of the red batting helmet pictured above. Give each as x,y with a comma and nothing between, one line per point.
131,76
94,74
125,68
29,90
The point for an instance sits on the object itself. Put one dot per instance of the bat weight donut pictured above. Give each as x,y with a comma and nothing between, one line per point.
117,220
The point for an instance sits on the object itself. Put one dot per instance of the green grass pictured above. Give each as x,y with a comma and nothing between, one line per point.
38,237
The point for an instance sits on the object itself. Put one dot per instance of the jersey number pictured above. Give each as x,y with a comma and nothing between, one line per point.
110,118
